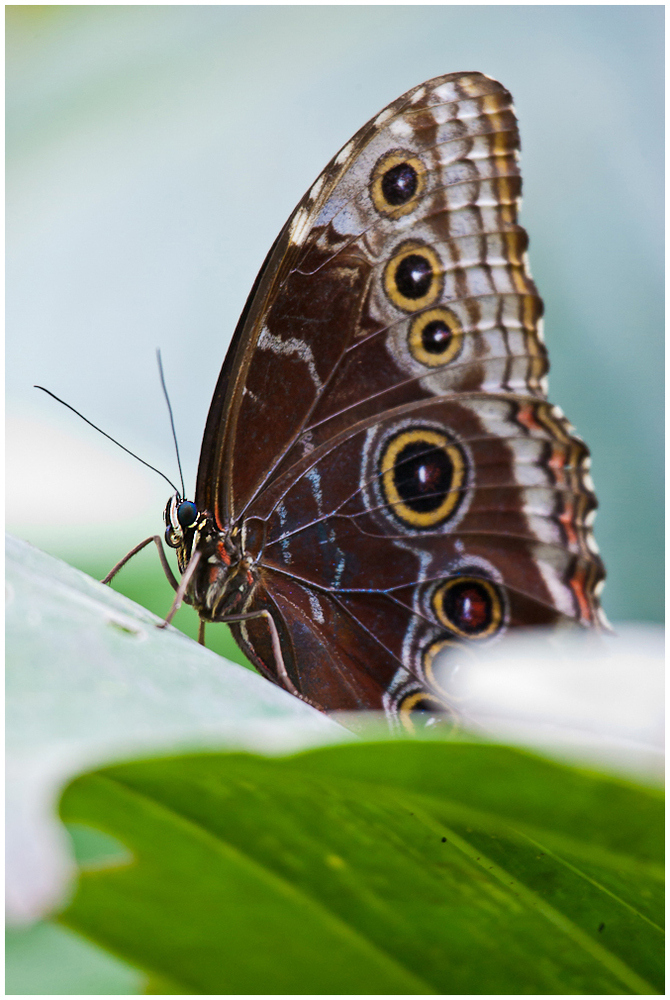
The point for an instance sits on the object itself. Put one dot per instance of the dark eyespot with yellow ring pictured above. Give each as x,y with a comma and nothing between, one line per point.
471,607
419,709
413,277
422,477
397,183
435,337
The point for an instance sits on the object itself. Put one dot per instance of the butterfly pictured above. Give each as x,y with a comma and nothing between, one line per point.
382,477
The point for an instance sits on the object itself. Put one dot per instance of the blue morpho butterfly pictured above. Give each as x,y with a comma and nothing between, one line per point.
381,476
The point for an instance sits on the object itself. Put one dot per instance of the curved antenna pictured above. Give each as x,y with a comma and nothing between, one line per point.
105,434
174,433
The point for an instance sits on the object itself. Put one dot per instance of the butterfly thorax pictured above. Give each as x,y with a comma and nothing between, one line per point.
225,575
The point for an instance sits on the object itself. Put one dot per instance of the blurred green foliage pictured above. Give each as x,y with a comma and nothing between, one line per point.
398,867
438,866
47,959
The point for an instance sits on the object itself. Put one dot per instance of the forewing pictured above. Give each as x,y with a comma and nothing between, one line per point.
322,343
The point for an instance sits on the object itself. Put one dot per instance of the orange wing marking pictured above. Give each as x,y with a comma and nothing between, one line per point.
578,584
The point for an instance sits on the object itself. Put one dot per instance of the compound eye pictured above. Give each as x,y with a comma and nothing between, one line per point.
171,538
187,513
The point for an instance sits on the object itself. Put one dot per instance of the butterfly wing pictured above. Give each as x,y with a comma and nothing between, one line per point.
311,301
387,438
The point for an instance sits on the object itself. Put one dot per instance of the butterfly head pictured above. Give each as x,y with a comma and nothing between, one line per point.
180,515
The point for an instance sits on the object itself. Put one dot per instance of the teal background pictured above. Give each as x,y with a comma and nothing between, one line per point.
154,152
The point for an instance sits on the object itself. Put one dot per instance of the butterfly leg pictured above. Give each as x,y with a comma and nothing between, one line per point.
201,631
181,588
138,548
276,647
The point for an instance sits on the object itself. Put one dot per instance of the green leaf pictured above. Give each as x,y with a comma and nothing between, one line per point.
89,669
143,581
91,679
46,959
388,867
395,867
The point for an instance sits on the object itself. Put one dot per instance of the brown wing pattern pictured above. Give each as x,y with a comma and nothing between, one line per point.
387,432
318,311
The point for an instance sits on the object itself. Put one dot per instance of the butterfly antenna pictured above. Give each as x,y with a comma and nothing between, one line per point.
174,433
109,436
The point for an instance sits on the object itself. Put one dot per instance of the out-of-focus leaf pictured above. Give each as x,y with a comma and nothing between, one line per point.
91,679
401,867
49,960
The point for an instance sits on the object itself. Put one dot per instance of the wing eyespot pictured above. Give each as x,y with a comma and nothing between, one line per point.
422,475
435,337
397,183
413,277
448,645
470,607
420,707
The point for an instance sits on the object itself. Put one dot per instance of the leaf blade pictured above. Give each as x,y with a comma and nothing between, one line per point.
338,851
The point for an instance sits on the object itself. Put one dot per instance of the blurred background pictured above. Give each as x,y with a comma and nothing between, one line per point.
153,154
